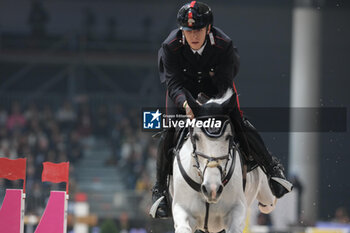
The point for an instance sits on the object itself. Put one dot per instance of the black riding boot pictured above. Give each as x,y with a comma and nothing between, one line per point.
160,207
271,166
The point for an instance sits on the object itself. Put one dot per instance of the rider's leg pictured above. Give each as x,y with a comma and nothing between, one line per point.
161,208
163,157
272,167
253,145
163,166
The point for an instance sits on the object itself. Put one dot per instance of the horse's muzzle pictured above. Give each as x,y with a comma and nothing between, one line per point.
212,192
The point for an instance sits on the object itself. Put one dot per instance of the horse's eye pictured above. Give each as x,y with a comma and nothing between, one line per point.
195,137
228,137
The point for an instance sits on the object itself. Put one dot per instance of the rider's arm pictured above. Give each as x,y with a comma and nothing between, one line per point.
173,76
228,68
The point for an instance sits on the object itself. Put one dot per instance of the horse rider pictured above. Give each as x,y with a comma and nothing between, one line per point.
199,57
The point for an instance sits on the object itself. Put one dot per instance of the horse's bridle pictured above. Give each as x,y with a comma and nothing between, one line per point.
213,161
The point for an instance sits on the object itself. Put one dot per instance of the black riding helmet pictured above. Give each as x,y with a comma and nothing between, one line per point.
194,15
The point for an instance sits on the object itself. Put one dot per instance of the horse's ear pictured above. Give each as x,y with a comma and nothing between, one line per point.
192,103
230,103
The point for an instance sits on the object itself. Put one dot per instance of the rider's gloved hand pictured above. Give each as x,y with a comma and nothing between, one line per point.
188,110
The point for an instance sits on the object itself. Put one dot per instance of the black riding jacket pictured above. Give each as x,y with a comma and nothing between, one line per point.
211,74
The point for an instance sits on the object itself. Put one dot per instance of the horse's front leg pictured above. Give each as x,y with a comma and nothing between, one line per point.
236,218
183,222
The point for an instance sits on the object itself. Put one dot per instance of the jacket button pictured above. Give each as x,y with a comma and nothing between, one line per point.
199,72
185,70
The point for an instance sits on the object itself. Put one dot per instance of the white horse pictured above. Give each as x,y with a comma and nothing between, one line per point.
207,183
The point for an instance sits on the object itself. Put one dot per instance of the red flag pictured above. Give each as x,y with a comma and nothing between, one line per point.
13,169
55,172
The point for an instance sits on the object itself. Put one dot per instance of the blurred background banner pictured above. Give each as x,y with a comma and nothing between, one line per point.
76,74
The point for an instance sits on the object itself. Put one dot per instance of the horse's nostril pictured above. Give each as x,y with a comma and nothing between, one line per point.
204,189
220,189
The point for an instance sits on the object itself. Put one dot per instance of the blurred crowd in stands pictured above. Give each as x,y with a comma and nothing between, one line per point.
46,133
88,36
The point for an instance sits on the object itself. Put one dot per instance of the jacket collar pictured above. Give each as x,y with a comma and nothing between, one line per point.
190,56
200,51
